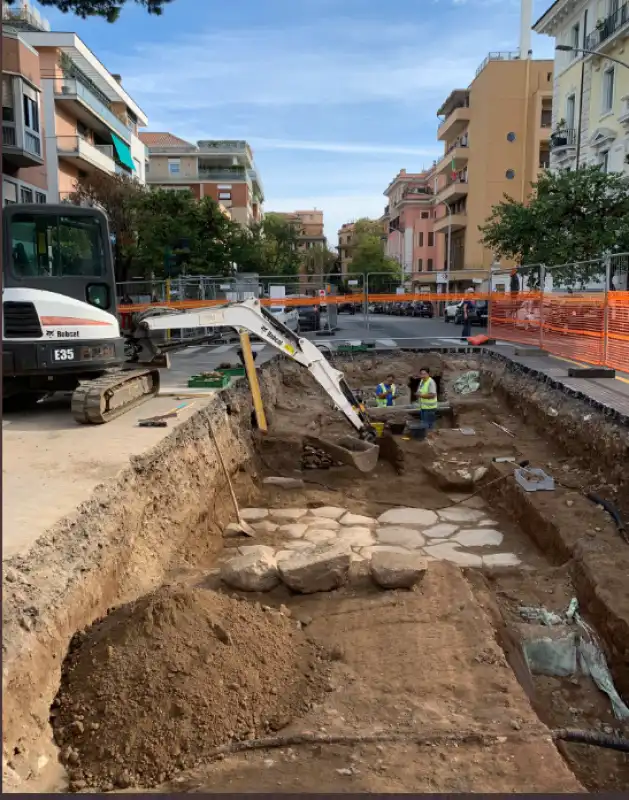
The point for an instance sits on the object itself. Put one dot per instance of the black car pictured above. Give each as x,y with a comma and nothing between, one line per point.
309,318
478,313
426,309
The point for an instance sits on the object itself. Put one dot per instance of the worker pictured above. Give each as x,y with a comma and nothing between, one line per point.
427,398
386,393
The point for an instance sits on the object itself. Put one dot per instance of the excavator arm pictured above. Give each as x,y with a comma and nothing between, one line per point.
251,316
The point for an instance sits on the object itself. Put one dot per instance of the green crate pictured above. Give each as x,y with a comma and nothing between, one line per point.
352,348
202,382
233,372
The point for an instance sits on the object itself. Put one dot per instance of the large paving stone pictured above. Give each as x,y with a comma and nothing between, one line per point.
266,526
288,514
328,512
356,519
254,514
368,552
295,530
441,531
319,570
320,536
397,570
479,537
252,572
501,560
412,517
403,537
450,552
321,523
258,549
356,537
297,544
460,514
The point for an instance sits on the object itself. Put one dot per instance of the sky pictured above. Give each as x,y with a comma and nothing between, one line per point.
334,96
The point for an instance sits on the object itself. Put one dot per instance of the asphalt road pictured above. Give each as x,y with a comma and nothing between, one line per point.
385,331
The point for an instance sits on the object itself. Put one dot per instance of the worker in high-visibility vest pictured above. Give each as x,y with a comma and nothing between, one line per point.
427,398
386,392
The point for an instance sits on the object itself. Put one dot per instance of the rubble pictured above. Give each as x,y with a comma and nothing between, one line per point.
392,570
253,572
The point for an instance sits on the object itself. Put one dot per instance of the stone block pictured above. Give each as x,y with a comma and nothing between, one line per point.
397,570
412,517
320,570
252,572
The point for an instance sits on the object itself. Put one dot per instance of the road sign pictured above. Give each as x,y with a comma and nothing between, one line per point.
352,283
442,277
321,292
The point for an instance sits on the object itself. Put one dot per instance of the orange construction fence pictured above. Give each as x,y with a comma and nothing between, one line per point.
589,327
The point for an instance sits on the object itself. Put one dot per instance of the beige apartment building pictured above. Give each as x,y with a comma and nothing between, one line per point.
221,169
346,242
496,137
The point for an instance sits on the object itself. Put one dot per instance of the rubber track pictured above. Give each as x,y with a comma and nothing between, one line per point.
87,398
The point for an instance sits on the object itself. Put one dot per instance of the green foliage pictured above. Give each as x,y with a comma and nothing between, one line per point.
318,261
368,255
109,9
268,248
571,216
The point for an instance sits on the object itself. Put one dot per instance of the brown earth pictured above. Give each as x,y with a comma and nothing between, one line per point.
157,684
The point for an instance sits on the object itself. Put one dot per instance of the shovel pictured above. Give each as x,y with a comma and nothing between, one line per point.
244,526
348,450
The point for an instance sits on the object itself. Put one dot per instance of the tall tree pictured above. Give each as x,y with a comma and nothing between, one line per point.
268,248
109,9
571,217
318,261
368,255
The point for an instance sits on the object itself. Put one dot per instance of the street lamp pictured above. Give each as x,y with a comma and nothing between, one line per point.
568,48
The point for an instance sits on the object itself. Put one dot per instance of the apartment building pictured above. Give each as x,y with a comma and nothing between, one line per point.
221,169
590,91
309,227
410,238
345,244
24,178
496,137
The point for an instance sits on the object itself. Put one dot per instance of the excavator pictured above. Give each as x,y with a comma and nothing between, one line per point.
61,331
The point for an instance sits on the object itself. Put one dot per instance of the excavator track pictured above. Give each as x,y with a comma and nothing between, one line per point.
113,394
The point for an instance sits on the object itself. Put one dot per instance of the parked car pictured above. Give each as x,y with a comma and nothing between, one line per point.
450,311
426,309
309,318
478,313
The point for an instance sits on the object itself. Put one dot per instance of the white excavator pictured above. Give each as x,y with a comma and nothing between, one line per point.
61,331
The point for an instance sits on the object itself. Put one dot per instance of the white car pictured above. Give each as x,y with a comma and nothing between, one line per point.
450,311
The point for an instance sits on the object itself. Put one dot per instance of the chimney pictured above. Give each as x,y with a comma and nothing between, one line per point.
117,78
526,21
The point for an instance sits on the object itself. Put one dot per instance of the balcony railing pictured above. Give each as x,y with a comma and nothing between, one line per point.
222,174
71,87
32,143
499,56
100,155
9,136
607,27
563,138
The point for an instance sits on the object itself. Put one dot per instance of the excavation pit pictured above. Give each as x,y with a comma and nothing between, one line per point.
417,665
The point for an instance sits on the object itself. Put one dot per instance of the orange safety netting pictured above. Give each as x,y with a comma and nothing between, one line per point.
516,318
618,330
574,326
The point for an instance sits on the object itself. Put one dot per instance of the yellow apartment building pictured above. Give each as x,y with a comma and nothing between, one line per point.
496,138
591,91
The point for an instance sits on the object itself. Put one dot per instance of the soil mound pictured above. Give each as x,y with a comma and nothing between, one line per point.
156,684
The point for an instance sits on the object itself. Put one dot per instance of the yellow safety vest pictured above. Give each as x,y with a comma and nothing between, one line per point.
382,401
427,405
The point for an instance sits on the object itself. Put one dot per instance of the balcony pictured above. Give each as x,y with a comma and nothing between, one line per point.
454,190
513,55
87,156
84,105
458,222
455,123
222,174
20,147
454,159
606,29
563,140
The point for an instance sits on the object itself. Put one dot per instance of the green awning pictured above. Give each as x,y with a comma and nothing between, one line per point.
123,151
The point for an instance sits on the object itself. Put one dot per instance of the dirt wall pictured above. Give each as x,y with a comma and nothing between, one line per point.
165,509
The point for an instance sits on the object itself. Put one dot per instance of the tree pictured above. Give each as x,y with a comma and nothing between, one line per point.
267,248
571,216
118,196
318,261
109,9
368,255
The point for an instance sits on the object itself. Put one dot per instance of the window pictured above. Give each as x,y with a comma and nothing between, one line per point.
608,90
570,112
174,166
55,247
147,165
575,39
26,195
604,161
224,196
136,165
40,197
420,264
9,193
82,130
8,114
430,265
431,240
31,114
421,239
425,214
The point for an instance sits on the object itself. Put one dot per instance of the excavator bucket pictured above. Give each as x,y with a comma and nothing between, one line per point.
348,450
